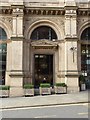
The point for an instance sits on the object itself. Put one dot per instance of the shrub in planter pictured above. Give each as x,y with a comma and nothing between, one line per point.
60,88
4,91
29,90
82,82
45,89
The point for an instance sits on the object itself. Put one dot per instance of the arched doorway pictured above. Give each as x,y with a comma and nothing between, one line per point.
85,55
3,53
43,61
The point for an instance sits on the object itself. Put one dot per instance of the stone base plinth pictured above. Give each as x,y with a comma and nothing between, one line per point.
16,91
73,89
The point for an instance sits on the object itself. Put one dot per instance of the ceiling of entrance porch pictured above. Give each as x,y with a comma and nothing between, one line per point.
44,44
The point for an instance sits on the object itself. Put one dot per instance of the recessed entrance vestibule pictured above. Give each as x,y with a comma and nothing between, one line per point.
43,69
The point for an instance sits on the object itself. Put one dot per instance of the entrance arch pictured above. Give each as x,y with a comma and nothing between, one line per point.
42,40
3,53
55,27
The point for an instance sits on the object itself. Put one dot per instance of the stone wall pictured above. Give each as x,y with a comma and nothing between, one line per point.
68,21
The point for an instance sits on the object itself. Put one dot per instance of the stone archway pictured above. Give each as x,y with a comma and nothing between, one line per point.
43,39
48,23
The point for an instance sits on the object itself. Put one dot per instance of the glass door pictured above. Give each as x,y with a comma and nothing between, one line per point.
43,69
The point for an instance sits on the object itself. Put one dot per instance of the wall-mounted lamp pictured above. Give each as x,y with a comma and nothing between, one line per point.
73,49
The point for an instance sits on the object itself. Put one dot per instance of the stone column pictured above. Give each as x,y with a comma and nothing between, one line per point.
71,63
16,72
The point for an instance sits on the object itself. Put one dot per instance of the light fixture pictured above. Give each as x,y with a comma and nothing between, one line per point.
73,49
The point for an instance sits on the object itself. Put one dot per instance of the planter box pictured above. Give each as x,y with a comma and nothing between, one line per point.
4,91
45,91
60,89
83,87
29,92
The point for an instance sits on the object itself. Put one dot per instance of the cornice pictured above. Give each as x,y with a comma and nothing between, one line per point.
83,12
6,11
45,11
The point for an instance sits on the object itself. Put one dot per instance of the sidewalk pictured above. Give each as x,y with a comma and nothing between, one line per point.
56,99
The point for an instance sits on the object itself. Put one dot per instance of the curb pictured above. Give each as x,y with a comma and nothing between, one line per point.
44,105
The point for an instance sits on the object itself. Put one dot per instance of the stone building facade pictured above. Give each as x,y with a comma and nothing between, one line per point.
48,39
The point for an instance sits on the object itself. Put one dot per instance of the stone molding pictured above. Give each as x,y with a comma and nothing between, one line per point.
74,39
6,11
17,38
84,42
44,44
83,12
16,73
45,11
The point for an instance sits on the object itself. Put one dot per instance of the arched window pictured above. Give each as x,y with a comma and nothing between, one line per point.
43,32
86,34
3,51
85,52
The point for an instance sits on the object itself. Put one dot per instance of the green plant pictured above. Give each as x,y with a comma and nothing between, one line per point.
4,87
82,79
61,84
28,86
45,85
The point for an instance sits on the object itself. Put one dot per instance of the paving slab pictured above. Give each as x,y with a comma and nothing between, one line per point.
46,100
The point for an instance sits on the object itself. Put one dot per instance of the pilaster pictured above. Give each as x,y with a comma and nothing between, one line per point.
16,72
17,15
70,19
71,63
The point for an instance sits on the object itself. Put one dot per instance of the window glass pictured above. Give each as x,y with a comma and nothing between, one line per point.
86,34
3,51
43,32
85,57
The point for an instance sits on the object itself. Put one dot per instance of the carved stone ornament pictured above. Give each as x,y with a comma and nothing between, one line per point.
44,44
9,19
6,19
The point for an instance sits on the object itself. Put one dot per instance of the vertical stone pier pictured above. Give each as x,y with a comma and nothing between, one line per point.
71,63
16,73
